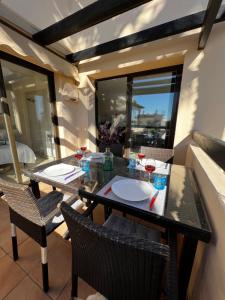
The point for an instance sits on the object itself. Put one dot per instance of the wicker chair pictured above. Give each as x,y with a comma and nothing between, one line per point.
165,155
121,260
33,216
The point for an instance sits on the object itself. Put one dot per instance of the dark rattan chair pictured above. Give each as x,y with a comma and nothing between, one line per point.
33,216
122,260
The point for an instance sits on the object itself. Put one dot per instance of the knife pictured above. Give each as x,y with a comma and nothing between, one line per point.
107,191
151,204
68,176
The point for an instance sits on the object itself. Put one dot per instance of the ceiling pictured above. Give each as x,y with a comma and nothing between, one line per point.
33,16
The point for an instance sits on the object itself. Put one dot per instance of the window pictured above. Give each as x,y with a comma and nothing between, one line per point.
138,109
29,95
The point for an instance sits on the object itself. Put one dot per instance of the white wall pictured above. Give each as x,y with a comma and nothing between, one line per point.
208,279
202,96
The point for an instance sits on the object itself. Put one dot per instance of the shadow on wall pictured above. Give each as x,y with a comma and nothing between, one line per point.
202,105
76,122
210,111
140,18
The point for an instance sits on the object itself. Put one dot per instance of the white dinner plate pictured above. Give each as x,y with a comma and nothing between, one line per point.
132,189
58,170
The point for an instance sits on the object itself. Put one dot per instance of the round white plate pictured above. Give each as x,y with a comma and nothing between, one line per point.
132,189
58,170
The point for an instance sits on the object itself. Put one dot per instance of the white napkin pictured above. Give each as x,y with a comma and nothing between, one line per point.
66,178
160,167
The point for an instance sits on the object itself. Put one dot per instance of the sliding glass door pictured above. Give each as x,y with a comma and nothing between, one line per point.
30,141
112,113
139,109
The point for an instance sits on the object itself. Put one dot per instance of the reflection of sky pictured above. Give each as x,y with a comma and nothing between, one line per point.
162,103
39,106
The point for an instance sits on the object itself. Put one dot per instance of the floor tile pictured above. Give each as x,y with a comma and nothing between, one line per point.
10,275
59,263
27,290
2,253
84,290
5,231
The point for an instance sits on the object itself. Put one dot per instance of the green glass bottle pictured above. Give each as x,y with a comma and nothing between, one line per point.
108,160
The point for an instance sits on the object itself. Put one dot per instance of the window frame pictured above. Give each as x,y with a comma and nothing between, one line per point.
175,88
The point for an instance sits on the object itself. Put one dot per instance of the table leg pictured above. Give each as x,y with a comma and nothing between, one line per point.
107,211
35,188
185,265
88,204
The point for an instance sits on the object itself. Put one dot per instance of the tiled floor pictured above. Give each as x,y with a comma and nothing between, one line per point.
22,279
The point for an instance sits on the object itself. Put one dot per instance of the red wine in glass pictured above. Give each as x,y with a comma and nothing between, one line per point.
149,169
141,155
78,156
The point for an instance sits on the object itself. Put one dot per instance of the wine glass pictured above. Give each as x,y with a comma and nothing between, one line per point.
83,149
141,156
78,155
150,167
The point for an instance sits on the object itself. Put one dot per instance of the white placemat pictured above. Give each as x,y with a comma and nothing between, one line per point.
164,168
65,179
158,207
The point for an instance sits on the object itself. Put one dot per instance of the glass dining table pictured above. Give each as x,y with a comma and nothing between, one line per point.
184,211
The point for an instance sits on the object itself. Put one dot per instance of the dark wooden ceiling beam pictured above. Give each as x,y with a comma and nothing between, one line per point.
209,19
148,35
90,15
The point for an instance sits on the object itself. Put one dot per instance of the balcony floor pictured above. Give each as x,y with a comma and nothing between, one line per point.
23,279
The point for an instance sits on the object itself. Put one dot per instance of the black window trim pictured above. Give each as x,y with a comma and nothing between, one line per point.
51,87
175,69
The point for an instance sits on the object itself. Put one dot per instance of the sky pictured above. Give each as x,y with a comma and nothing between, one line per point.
156,102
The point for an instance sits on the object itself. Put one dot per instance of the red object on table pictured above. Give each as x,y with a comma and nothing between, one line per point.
84,148
149,168
78,156
141,155
153,200
107,191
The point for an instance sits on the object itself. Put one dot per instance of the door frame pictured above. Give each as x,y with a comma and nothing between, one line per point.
176,70
5,109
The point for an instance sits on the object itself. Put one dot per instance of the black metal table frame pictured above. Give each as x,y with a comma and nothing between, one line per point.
191,235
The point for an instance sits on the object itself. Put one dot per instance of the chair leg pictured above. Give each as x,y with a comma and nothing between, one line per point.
107,211
74,290
14,242
44,263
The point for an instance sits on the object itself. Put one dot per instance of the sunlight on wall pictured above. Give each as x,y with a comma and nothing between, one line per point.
195,64
131,63
150,13
187,107
11,41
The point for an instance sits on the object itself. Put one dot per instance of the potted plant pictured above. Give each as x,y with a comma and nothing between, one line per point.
111,136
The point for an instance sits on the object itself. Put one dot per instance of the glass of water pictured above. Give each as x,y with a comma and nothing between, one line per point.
159,181
132,161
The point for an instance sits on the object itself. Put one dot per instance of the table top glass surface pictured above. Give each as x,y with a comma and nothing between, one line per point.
184,209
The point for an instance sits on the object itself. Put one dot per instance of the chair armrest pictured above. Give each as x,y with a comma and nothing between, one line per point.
57,211
90,209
